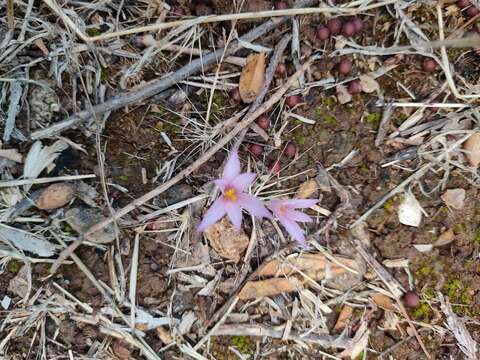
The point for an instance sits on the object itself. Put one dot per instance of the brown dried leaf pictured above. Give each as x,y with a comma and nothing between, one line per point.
252,78
307,189
314,266
343,318
226,241
382,301
472,149
270,287
55,196
164,335
445,238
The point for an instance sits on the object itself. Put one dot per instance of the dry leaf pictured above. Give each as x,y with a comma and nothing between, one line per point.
270,287
226,241
55,196
445,238
423,247
343,95
472,149
343,318
164,335
382,301
314,266
307,189
454,198
369,84
252,78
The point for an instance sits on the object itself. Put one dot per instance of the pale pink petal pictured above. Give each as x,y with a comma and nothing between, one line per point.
234,213
221,183
300,203
243,181
215,213
232,167
297,216
253,206
295,231
274,205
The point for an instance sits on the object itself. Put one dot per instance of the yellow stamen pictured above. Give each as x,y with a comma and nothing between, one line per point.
230,194
282,210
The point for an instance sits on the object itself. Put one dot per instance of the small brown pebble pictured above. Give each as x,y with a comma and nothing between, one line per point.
334,25
411,299
345,67
463,3
281,69
235,95
264,122
354,87
472,11
293,100
358,24
429,65
348,29
290,149
256,149
323,33
281,5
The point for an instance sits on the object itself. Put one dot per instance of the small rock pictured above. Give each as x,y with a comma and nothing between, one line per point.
81,219
55,196
454,198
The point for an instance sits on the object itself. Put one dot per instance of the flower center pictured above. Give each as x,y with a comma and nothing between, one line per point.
230,194
282,210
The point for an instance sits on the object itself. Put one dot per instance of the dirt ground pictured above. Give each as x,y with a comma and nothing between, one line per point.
134,150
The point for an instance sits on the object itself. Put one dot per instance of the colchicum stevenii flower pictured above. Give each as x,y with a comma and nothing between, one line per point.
285,211
234,198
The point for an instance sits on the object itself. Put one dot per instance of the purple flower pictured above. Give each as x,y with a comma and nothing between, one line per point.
234,197
285,211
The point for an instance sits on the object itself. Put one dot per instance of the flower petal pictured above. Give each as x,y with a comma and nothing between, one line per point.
253,206
295,231
274,206
297,216
234,213
300,203
243,181
221,183
232,167
215,213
